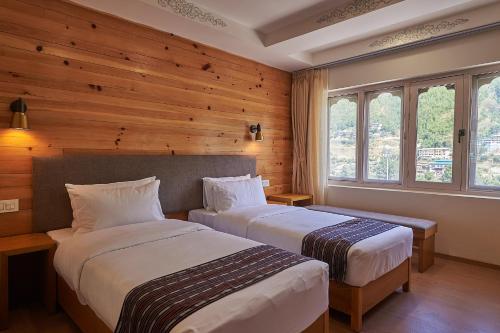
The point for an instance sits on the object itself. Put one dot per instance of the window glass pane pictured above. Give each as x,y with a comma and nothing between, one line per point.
343,124
435,127
384,135
486,143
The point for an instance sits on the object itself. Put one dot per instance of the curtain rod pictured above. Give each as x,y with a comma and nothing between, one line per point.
408,46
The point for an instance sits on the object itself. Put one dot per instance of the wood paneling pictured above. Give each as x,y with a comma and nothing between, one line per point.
94,82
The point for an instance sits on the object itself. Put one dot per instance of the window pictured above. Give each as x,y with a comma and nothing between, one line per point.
439,134
436,120
343,119
384,116
485,133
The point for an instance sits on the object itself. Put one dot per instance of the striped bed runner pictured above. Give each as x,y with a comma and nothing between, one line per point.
331,244
160,304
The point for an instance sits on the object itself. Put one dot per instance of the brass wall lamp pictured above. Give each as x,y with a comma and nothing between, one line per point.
19,119
257,130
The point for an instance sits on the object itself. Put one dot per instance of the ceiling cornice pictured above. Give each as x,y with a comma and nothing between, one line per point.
418,32
352,9
409,46
190,10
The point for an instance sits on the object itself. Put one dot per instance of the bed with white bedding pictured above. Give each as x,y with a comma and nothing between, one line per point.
285,227
374,268
103,266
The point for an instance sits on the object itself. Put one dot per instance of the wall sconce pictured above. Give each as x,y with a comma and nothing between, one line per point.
19,119
258,132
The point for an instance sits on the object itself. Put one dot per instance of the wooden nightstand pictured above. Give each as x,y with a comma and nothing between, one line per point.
272,202
291,199
28,243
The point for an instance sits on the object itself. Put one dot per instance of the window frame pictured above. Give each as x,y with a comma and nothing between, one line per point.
356,175
465,188
458,123
471,163
365,146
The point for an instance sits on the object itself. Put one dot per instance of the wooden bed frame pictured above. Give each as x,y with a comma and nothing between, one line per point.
88,322
356,301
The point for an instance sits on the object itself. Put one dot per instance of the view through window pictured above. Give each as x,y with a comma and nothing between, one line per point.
384,117
343,134
435,133
485,141
423,144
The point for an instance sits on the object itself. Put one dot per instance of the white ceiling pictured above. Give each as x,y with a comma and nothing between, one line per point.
257,14
294,34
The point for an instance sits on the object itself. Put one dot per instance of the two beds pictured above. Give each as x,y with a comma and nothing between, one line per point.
107,269
100,270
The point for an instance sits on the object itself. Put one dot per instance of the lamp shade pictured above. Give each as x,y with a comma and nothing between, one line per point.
257,129
19,119
259,136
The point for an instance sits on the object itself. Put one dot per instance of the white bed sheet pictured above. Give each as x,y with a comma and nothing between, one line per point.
60,235
202,216
285,227
104,265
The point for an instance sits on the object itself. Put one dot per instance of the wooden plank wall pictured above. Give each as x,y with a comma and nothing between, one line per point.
95,82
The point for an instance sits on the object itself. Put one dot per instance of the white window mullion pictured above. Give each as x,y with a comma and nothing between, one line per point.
360,147
466,125
406,136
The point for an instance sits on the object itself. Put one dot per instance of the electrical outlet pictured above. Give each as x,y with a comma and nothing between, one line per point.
9,206
265,183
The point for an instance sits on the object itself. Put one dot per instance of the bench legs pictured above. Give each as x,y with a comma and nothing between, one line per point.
425,253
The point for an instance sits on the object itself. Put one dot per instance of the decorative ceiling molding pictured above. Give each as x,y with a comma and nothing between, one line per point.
417,33
353,9
193,12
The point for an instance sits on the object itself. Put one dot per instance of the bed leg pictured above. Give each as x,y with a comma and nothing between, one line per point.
326,321
407,284
356,309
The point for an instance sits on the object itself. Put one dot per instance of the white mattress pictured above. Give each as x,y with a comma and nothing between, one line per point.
61,235
104,265
285,227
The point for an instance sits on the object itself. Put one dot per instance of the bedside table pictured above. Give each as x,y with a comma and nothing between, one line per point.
271,202
291,199
21,244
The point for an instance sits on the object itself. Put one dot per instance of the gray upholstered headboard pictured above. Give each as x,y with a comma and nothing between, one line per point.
180,180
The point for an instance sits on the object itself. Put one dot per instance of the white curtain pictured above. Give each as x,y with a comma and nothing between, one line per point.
309,125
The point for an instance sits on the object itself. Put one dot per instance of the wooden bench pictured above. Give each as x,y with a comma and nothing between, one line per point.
424,231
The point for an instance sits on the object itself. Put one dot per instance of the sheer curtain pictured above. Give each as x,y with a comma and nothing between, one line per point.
309,126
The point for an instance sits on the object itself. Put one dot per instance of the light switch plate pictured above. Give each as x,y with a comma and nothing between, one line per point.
9,206
265,183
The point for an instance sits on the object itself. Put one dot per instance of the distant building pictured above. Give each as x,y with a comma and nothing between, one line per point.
492,143
441,153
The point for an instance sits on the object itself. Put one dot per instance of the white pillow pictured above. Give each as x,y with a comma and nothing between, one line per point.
208,184
98,208
239,193
114,185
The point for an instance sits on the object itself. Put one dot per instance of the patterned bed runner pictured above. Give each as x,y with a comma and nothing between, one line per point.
160,304
331,244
